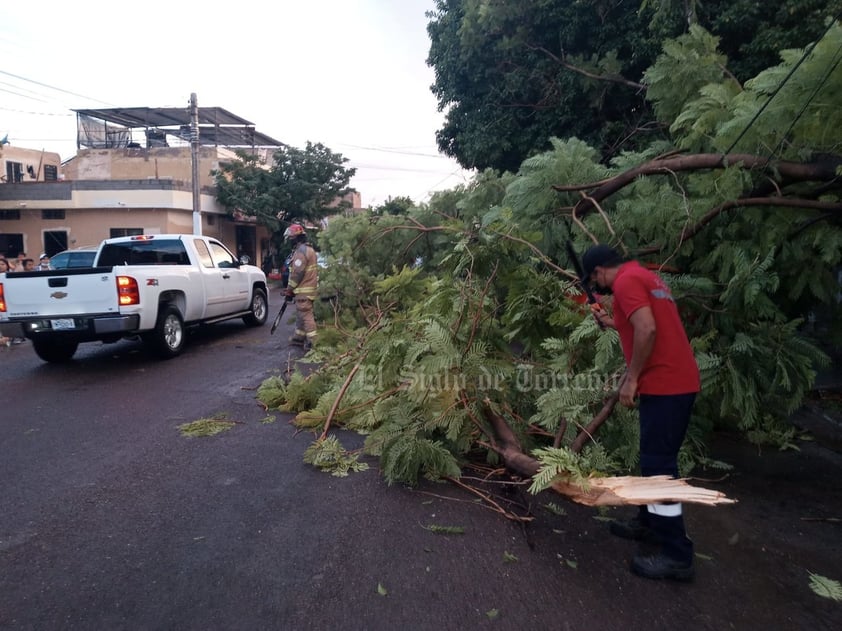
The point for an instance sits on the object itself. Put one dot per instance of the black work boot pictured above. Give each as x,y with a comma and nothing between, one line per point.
632,529
658,566
637,529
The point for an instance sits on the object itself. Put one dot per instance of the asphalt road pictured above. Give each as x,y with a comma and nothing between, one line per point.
111,519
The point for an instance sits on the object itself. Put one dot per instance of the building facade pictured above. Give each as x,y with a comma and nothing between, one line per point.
102,193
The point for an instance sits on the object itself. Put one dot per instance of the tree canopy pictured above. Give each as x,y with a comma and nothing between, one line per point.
511,75
299,185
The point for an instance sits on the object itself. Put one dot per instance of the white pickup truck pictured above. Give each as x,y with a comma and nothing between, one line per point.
151,286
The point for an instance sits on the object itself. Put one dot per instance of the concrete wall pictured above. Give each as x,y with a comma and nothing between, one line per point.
136,164
28,158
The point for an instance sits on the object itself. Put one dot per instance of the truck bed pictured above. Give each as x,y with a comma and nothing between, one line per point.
56,293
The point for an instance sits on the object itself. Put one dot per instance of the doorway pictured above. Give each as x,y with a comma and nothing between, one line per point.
55,241
11,244
246,243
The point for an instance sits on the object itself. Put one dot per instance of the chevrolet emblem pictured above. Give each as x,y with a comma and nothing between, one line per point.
58,295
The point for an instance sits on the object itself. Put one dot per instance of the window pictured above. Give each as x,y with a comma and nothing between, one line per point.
125,232
14,171
52,213
222,256
153,252
204,254
50,173
7,215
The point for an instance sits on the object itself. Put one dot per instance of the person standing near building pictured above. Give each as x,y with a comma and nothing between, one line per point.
43,262
662,375
303,285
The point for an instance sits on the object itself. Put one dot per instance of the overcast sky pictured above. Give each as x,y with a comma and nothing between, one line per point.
351,74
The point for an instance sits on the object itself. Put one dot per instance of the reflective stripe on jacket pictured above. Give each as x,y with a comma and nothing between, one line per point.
304,271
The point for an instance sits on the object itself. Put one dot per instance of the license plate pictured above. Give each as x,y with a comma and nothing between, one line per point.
63,324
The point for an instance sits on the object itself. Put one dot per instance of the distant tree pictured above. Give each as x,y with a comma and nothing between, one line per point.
298,186
394,206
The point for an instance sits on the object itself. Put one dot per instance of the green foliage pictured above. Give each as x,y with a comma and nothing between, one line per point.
464,306
328,454
686,65
205,427
405,457
394,206
577,468
825,587
512,75
299,185
445,530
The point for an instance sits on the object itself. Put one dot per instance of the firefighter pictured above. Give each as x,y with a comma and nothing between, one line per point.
303,285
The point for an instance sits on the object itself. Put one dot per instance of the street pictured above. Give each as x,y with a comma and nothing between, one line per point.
111,519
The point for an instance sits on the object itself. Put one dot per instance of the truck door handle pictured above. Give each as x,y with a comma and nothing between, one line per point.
57,282
226,276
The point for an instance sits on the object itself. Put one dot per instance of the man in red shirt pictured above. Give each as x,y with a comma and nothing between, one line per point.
663,376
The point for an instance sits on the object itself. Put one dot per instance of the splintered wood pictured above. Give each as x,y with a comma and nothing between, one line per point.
623,490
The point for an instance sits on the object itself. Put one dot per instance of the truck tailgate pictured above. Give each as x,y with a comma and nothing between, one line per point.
61,292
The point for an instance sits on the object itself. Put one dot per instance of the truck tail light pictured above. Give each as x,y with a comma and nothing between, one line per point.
127,291
2,299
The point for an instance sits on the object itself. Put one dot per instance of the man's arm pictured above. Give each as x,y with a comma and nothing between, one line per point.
643,323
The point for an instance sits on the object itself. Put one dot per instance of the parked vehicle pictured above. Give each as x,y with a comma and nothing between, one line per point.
80,257
152,286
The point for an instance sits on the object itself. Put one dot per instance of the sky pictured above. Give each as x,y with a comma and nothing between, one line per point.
350,74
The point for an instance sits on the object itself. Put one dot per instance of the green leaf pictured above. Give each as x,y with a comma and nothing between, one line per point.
205,427
445,530
381,590
492,614
825,587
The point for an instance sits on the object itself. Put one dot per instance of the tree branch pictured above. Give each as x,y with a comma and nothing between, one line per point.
822,171
590,75
787,202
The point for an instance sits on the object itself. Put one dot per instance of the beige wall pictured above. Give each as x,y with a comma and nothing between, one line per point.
173,163
87,228
28,158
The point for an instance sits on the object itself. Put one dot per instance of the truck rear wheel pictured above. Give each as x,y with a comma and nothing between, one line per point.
259,309
55,351
167,340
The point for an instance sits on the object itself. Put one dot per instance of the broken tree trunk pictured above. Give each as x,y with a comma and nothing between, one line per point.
613,491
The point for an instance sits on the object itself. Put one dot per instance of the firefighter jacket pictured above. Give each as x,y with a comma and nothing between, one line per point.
304,271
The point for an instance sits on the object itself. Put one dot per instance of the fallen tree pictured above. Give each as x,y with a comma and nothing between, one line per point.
458,339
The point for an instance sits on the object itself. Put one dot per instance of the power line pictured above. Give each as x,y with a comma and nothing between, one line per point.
23,96
52,87
9,109
806,54
816,90
391,150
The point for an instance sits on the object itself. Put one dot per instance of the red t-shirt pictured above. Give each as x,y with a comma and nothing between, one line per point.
671,368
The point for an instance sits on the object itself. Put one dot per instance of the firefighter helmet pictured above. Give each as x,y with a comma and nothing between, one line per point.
294,230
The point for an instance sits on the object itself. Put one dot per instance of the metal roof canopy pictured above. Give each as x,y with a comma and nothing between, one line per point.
217,126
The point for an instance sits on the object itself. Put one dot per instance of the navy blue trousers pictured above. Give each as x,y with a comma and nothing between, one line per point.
663,425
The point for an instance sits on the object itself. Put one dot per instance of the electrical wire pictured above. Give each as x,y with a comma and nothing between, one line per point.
52,87
806,54
804,107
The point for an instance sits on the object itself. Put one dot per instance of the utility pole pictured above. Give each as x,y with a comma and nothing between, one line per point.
194,159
